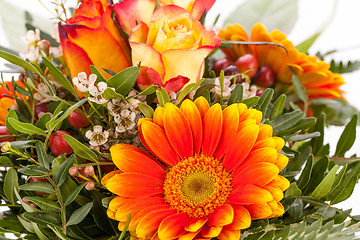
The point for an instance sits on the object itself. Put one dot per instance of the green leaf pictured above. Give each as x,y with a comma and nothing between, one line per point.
325,185
236,95
306,173
188,89
34,171
41,122
341,67
317,174
79,214
109,93
95,71
251,101
302,125
27,128
204,88
318,143
42,187
163,97
305,45
264,101
146,110
11,114
59,77
71,197
296,208
43,158
11,184
286,121
293,190
63,171
45,204
278,108
26,206
38,232
124,81
100,216
126,226
17,61
299,88
347,138
80,149
274,14
150,90
41,219
58,233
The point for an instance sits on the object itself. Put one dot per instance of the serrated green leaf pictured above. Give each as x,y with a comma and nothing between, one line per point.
71,197
251,101
341,67
27,128
162,96
63,171
34,171
45,204
306,173
11,182
279,14
325,185
236,95
80,149
286,121
59,77
43,158
110,93
347,138
146,110
264,101
278,108
124,81
79,214
42,187
42,219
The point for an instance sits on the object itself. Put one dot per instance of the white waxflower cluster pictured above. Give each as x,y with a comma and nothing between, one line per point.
44,90
31,37
96,91
31,54
97,137
56,51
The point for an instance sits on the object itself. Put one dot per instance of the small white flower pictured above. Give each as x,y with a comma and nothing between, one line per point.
97,93
172,95
125,121
97,137
249,91
227,88
31,37
31,54
54,33
82,83
43,89
56,52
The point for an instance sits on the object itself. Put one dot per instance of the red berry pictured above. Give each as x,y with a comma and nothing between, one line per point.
260,92
78,120
247,62
3,132
44,45
58,145
265,77
232,70
220,64
40,109
106,168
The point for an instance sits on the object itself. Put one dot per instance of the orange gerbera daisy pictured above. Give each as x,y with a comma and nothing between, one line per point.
314,74
214,170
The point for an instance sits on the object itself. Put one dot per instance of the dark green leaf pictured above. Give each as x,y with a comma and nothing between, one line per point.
41,122
162,96
264,101
100,216
296,209
296,163
58,233
71,197
277,110
45,204
150,90
42,187
236,95
34,171
11,114
43,158
302,125
317,174
79,214
325,185
317,143
80,149
124,81
299,88
42,219
11,182
109,93
146,110
293,190
204,88
341,67
25,127
251,101
286,121
306,173
347,138
63,171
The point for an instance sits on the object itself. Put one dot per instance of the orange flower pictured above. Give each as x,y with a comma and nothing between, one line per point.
314,74
174,45
214,171
90,37
5,104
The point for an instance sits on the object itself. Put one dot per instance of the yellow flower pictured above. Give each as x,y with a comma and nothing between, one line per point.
214,171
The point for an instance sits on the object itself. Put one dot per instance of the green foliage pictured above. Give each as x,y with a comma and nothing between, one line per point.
341,67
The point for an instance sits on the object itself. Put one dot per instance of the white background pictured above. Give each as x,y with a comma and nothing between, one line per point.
343,33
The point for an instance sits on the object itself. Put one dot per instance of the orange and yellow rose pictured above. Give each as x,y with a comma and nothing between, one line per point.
90,37
172,47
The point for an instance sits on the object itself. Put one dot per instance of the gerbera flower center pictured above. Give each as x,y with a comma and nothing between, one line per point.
197,185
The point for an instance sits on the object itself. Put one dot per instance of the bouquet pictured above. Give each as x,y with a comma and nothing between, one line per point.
132,120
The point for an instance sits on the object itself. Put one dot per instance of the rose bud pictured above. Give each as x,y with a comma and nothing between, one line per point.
219,65
265,77
40,109
4,132
78,120
89,170
44,45
247,62
58,145
89,185
260,92
232,70
73,171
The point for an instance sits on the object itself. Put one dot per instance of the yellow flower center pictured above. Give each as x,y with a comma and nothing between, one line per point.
197,185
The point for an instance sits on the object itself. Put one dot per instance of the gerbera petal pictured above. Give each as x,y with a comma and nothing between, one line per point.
264,143
221,216
196,224
249,194
178,131
116,202
240,146
213,122
258,174
259,155
258,211
280,182
265,131
281,161
230,126
203,106
189,236
173,226
229,234
279,143
128,158
158,142
149,224
278,211
251,114
158,117
275,192
193,116
134,185
210,232
106,178
242,218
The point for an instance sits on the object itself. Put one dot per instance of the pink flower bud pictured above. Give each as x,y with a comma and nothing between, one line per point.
89,185
73,171
89,170
44,45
